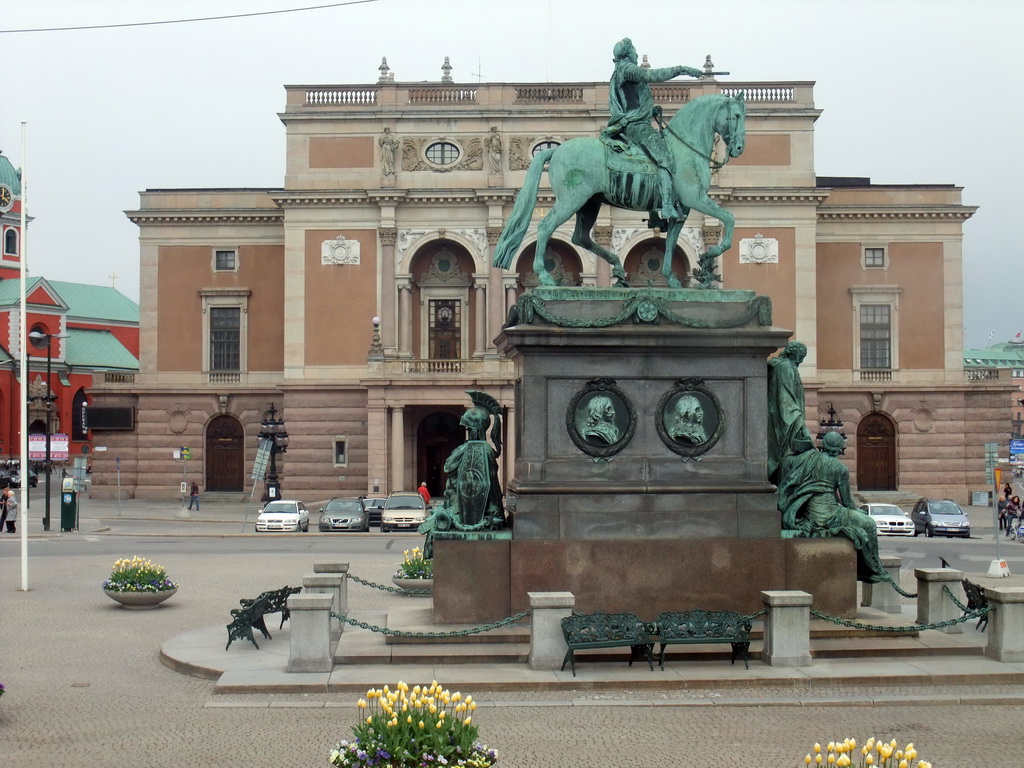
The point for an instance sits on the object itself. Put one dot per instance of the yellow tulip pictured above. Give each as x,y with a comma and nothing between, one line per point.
472,705
369,720
904,764
831,746
421,725
440,723
468,720
817,748
831,759
361,704
869,760
409,719
818,758
808,760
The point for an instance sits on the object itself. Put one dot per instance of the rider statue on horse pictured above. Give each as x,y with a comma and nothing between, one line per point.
632,109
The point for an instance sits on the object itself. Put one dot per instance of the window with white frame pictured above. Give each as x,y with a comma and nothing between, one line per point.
341,451
10,242
225,260
225,315
874,258
876,331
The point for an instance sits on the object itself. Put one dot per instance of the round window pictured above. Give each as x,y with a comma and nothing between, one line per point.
442,153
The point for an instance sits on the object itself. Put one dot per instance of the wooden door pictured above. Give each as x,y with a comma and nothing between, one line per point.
438,435
876,453
225,455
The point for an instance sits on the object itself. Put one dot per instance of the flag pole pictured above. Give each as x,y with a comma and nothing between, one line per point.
23,390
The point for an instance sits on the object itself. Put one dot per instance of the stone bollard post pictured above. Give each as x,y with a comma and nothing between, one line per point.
330,584
787,628
547,644
933,605
338,569
882,596
310,633
1005,624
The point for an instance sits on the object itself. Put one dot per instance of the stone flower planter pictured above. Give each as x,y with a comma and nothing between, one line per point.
138,601
413,584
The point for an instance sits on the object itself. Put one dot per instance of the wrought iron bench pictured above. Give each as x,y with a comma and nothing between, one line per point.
697,626
244,619
251,614
583,631
975,600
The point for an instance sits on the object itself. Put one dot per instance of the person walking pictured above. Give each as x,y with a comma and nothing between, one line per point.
424,493
9,504
1012,512
193,496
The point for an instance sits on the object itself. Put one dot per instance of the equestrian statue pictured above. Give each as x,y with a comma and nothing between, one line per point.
634,166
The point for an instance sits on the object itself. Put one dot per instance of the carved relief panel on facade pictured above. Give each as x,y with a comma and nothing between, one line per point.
470,159
759,250
339,251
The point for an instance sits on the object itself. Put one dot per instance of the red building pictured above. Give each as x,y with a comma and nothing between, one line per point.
90,332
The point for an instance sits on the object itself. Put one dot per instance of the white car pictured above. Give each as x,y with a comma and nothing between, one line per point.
404,510
283,515
889,519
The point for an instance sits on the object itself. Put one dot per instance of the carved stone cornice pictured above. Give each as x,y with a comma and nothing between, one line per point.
891,213
806,196
206,217
333,198
388,235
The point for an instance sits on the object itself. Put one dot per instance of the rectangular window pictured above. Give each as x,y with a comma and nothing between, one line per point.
445,337
225,338
225,261
340,452
875,336
874,258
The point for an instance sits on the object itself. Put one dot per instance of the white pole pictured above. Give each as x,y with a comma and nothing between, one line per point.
23,390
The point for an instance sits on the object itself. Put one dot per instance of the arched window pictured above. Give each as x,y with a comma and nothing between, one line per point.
542,145
442,153
10,242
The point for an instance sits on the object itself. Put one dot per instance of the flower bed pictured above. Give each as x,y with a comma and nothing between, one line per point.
409,728
415,566
874,753
138,575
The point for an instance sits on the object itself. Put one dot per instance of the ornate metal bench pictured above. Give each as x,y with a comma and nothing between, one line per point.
251,614
697,626
607,630
244,619
976,599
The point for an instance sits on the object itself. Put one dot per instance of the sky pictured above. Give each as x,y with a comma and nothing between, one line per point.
912,91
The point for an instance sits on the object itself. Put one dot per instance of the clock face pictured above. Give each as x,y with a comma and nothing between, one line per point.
6,198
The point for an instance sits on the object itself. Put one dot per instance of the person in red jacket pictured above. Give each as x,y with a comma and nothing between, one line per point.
424,493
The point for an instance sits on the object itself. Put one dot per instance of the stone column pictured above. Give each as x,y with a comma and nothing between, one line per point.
388,236
479,317
547,644
397,448
787,629
340,569
1005,624
310,633
509,451
933,605
882,596
327,584
510,297
405,320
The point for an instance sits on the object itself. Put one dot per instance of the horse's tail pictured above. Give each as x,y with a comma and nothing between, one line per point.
515,228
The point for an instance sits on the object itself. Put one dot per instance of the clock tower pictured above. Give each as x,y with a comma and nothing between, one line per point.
10,215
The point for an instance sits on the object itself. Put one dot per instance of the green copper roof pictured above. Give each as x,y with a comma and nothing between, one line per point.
10,176
1008,354
97,349
96,302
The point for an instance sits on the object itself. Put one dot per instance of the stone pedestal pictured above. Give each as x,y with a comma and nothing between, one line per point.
1005,624
882,596
787,633
547,643
933,604
310,631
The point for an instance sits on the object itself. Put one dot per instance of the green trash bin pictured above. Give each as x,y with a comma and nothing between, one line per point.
69,510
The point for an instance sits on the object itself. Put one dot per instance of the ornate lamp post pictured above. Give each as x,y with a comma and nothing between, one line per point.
834,424
40,339
272,430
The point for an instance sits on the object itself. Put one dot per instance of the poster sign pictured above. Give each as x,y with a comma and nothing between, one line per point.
58,447
1017,451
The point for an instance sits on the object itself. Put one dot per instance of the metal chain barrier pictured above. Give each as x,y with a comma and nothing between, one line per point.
385,588
952,597
889,580
453,633
755,615
969,616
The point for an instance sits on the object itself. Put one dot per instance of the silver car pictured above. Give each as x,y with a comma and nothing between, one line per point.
404,510
344,515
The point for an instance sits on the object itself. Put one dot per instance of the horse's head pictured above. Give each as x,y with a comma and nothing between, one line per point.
731,124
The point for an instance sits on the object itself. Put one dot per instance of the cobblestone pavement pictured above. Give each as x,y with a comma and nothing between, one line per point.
86,689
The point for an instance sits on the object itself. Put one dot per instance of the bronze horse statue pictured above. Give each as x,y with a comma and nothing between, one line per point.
585,173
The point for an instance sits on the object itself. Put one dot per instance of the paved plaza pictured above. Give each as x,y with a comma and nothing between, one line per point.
86,686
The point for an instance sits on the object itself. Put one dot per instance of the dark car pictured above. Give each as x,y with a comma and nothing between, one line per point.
940,517
344,515
374,506
12,476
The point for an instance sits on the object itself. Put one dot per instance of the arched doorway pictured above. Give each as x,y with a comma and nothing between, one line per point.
225,455
876,453
438,435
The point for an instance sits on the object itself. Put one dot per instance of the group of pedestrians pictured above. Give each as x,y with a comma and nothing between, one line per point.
9,510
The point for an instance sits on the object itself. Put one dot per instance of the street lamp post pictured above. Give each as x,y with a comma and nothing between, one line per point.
272,430
39,339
